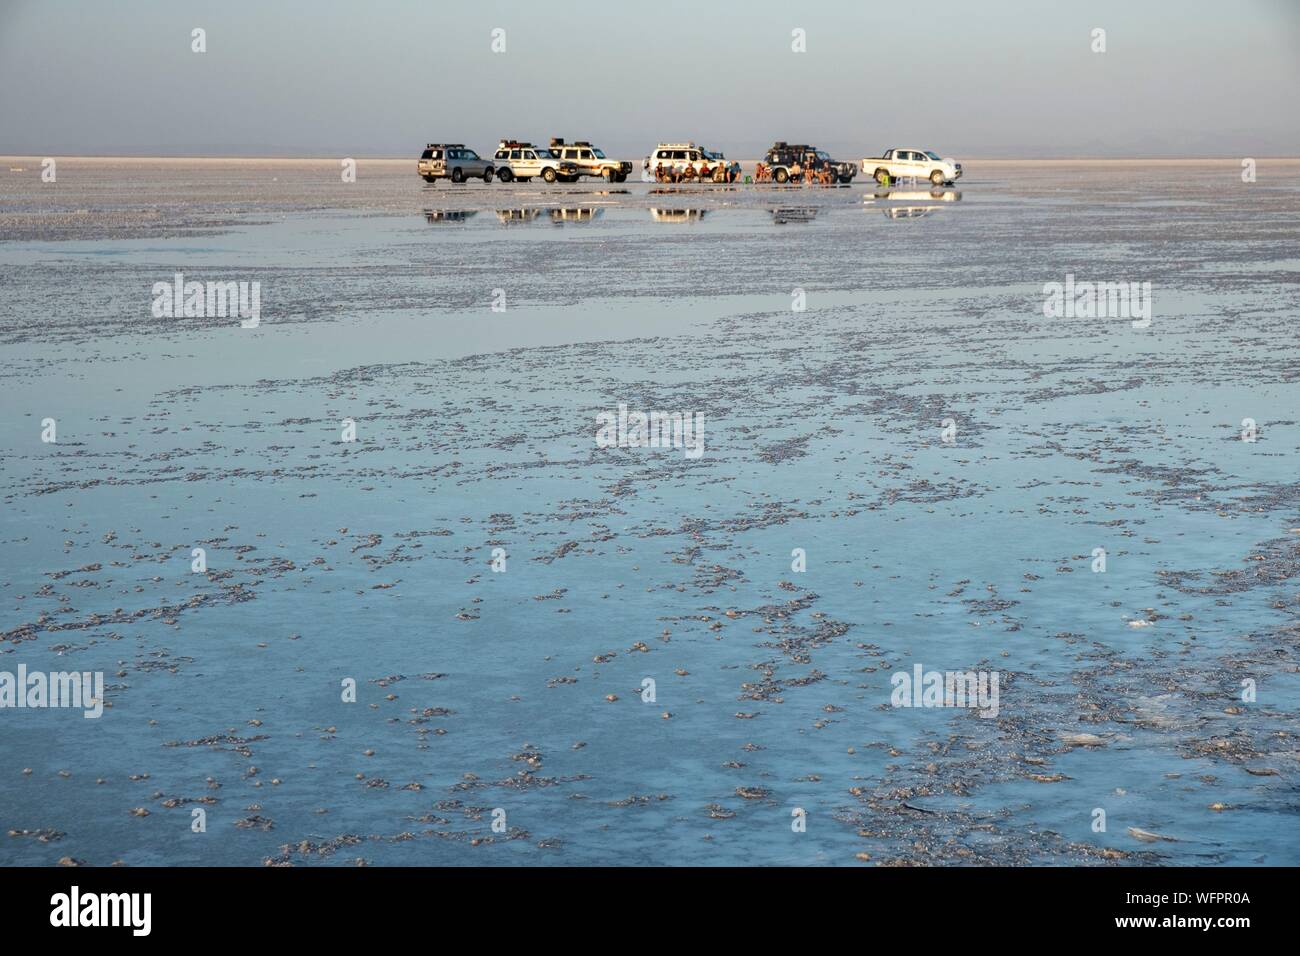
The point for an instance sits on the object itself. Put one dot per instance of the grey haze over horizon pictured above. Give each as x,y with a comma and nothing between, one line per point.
333,78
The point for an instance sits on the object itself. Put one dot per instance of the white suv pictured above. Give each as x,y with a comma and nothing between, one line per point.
523,161
677,157
911,164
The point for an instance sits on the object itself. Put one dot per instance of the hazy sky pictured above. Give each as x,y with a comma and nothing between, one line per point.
382,77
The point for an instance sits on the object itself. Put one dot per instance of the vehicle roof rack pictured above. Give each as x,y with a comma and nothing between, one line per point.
445,146
677,146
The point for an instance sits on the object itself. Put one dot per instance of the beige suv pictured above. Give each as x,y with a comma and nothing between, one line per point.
452,161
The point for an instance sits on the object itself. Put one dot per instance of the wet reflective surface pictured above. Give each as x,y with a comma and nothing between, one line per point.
475,430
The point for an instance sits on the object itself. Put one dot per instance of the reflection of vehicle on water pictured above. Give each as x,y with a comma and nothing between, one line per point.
452,161
576,214
518,215
804,214
929,197
449,215
918,195
523,161
912,164
677,215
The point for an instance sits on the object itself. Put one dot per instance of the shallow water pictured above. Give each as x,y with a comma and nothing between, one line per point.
823,431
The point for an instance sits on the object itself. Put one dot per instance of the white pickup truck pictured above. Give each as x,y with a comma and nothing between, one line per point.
907,163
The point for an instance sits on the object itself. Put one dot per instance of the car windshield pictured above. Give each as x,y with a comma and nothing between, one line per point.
822,154
599,153
930,154
544,154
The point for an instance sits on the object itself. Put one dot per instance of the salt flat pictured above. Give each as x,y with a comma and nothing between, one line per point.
522,690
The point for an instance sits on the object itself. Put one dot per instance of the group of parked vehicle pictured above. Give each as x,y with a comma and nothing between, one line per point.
516,159
675,162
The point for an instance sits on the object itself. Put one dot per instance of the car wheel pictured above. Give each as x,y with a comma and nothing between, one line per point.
487,175
457,176
611,175
936,178
882,176
548,174
781,176
846,180
505,175
430,179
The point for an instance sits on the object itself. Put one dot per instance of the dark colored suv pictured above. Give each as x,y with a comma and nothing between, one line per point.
784,157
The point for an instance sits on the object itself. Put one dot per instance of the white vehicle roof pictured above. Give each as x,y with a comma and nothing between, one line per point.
677,146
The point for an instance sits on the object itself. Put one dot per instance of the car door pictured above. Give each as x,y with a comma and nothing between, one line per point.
529,164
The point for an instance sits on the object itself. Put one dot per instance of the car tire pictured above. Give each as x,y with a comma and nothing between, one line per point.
611,175
548,174
505,175
882,176
487,175
430,179
846,180
936,178
781,176
457,176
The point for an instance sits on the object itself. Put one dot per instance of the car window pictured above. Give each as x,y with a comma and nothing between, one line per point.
516,154
931,155
427,154
599,153
501,153
585,154
469,154
529,154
